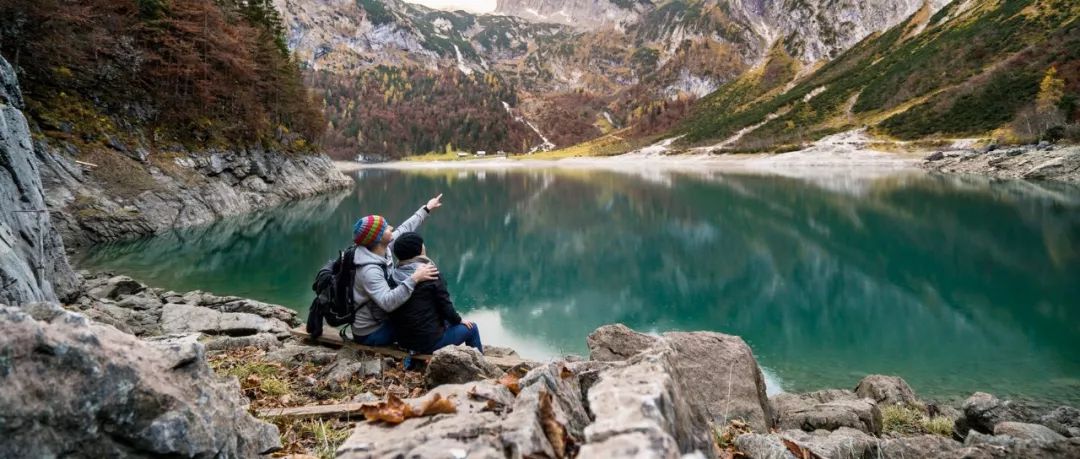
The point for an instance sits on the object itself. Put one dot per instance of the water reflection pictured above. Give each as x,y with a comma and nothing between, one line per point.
954,283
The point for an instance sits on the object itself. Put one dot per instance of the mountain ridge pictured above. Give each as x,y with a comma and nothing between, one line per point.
572,84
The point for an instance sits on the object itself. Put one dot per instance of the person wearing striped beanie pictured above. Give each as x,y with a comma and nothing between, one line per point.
374,290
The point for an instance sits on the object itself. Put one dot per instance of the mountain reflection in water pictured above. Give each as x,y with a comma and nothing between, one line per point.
956,284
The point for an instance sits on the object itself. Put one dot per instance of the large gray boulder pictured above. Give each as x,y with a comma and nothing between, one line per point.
458,365
1008,446
720,373
1064,420
648,395
920,447
1025,431
844,443
33,266
982,411
617,342
70,387
827,410
886,390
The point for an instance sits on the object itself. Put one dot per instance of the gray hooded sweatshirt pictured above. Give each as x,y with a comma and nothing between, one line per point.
370,289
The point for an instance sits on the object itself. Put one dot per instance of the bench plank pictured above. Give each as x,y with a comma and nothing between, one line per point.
314,411
334,340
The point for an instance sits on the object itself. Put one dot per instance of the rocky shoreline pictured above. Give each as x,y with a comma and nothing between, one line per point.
1044,162
185,189
681,394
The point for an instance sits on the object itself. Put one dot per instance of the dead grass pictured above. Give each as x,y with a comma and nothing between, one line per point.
908,420
269,384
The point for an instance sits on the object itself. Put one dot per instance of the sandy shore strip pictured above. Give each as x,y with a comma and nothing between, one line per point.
846,152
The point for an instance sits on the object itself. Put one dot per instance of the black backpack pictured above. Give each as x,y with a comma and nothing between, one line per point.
333,288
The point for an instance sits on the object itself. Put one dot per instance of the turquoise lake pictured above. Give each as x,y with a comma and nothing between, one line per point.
956,284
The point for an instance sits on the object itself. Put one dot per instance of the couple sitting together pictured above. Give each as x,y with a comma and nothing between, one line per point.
406,302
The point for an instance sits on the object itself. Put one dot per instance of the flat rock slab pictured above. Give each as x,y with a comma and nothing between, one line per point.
184,318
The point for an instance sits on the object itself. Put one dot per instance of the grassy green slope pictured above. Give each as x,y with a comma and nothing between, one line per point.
967,70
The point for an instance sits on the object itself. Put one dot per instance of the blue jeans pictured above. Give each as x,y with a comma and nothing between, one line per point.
383,336
460,334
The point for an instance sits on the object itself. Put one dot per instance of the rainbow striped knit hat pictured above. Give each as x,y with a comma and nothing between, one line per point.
368,230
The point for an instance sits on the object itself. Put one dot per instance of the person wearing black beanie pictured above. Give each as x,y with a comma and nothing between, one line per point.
428,320
408,246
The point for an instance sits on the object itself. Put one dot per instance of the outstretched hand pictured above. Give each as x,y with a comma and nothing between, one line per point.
434,203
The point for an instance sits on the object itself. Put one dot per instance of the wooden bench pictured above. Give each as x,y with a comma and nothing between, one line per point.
333,339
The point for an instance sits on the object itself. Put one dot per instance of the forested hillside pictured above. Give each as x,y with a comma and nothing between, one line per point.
1007,68
394,111
157,72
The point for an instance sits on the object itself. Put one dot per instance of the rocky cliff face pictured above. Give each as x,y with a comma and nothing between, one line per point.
33,266
129,197
581,14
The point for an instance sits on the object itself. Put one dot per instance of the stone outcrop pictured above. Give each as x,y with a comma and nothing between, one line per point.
33,266
1044,163
223,322
886,390
70,387
458,365
650,397
1025,431
720,372
826,410
843,443
982,411
1064,420
617,342
187,189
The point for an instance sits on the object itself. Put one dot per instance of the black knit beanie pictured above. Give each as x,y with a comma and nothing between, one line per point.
408,245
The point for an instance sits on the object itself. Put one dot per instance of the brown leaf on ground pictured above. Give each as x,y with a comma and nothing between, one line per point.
565,373
392,411
493,406
553,429
437,405
511,381
799,451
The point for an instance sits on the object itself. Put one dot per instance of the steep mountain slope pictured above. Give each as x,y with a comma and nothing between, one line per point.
972,68
635,66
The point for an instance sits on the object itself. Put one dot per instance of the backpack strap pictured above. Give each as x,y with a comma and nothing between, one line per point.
385,272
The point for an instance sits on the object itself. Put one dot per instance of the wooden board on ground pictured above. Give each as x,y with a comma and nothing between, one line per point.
334,340
344,410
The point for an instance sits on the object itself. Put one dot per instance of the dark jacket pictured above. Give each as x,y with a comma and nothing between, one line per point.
420,321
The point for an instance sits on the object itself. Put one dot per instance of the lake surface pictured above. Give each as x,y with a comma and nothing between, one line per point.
956,284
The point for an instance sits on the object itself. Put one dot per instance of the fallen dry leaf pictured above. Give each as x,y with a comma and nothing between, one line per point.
511,381
437,405
799,451
395,411
565,373
553,429
391,411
